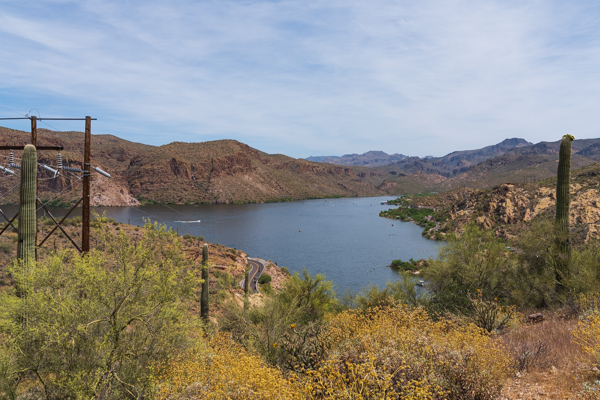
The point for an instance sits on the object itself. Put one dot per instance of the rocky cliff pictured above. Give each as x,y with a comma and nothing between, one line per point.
223,171
508,208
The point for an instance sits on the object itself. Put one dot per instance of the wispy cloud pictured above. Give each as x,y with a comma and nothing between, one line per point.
304,78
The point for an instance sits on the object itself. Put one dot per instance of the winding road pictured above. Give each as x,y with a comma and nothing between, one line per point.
257,268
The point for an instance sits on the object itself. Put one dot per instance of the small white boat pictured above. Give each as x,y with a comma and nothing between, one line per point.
189,222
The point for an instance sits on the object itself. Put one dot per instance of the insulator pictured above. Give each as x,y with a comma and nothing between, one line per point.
98,170
11,161
59,161
54,171
71,169
6,170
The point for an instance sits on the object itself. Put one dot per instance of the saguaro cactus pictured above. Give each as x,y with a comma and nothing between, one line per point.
27,212
204,294
563,196
563,200
246,286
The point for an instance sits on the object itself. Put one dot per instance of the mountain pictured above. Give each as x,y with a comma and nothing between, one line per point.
368,159
227,171
513,160
222,171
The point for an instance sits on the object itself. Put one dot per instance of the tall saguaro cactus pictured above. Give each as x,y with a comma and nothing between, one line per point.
204,294
563,201
27,212
246,286
563,195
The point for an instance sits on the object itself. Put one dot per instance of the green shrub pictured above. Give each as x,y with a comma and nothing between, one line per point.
264,278
6,247
474,261
90,327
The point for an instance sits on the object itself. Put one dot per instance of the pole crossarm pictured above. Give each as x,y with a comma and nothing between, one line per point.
51,119
55,148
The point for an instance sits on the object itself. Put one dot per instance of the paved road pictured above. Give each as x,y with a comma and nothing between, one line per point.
257,268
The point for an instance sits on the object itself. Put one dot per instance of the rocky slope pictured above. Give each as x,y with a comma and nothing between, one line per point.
508,208
223,171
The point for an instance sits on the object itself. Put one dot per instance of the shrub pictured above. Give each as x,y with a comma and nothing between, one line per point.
223,370
84,327
588,332
402,290
491,316
6,247
474,261
264,278
399,352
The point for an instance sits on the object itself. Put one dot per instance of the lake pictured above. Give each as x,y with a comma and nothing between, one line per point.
344,239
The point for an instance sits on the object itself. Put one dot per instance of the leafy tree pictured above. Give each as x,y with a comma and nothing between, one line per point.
90,327
315,294
474,262
402,291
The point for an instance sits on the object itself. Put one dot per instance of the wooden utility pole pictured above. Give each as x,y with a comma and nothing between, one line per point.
34,131
86,178
85,212
34,142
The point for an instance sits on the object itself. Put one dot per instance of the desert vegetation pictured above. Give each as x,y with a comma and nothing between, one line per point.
499,317
124,321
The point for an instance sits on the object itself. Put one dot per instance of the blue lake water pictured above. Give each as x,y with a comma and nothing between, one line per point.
344,239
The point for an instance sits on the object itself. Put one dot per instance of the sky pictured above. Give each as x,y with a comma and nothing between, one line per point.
304,77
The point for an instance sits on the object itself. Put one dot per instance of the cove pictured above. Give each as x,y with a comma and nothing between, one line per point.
343,239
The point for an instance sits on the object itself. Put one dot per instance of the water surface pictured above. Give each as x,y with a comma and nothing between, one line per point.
344,239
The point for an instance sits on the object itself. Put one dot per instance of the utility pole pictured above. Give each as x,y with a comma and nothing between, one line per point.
34,142
86,179
34,131
85,212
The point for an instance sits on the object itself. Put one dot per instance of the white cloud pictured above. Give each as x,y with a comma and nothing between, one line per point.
304,78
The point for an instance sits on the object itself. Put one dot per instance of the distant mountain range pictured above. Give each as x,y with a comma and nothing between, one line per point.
368,159
227,171
451,164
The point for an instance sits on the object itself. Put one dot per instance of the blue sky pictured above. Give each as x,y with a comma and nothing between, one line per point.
303,78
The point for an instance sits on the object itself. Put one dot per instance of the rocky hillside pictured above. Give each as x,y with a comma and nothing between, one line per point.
223,171
508,208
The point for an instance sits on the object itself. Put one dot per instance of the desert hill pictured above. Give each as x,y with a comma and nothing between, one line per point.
223,171
508,208
227,171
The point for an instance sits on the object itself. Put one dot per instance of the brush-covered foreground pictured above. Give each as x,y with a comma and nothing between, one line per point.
123,322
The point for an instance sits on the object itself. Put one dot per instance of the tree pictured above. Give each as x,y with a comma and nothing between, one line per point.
468,264
90,327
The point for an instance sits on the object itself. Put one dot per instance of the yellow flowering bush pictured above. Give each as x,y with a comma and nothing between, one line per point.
588,331
399,352
222,370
